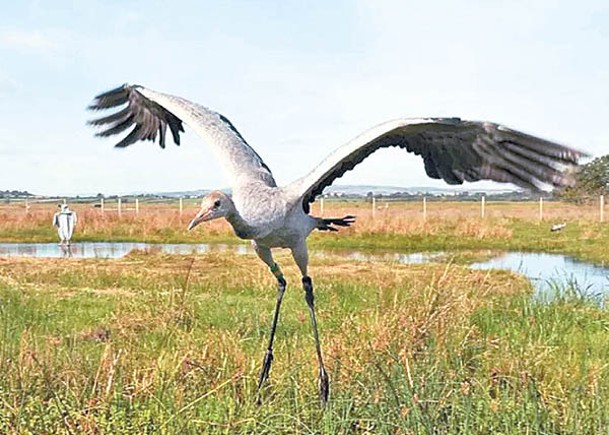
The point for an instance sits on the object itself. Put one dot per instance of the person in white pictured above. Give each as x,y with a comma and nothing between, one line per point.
65,221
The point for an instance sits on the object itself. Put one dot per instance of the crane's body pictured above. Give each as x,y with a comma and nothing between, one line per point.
270,220
279,217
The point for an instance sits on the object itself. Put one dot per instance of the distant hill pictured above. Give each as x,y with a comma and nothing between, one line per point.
178,194
356,190
363,190
332,191
183,193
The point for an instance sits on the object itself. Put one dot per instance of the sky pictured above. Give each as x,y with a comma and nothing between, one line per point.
296,78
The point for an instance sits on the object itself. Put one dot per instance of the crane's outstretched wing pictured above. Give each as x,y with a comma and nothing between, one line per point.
452,150
152,112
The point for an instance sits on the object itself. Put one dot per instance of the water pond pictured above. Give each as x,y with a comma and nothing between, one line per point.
111,249
546,271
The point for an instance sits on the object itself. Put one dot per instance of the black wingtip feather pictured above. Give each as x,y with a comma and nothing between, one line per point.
148,116
456,150
112,98
327,224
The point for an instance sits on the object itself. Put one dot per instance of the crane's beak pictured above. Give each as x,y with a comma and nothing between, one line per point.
202,216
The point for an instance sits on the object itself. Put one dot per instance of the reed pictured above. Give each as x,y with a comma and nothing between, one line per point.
172,344
399,226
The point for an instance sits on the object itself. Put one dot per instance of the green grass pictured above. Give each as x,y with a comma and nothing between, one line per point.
170,344
583,240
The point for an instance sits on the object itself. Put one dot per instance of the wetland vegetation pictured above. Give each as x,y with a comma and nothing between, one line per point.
153,343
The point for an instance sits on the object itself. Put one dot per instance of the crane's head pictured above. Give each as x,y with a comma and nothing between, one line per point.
213,206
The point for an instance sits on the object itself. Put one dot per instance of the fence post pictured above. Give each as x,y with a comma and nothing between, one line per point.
602,208
181,206
321,206
540,209
373,207
137,206
482,206
27,205
101,205
424,208
120,212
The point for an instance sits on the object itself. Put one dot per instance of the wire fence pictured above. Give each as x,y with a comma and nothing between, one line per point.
424,207
441,207
118,205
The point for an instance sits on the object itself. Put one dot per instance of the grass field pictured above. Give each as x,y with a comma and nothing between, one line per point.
161,344
400,227
173,344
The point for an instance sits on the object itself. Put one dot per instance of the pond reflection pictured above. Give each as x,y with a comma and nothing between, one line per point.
546,271
549,271
112,249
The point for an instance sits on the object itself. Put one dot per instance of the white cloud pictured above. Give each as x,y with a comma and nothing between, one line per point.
27,40
295,96
7,84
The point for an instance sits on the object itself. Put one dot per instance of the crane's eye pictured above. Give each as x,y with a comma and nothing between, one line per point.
217,203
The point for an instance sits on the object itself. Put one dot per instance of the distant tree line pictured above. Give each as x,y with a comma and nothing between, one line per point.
14,194
591,181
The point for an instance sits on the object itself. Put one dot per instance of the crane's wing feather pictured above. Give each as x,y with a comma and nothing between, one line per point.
452,150
149,113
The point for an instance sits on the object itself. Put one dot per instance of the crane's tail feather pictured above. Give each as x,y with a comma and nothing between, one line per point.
327,224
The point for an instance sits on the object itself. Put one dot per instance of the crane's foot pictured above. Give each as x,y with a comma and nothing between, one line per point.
264,373
266,368
324,386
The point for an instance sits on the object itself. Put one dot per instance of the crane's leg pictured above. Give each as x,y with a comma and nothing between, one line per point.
301,257
266,256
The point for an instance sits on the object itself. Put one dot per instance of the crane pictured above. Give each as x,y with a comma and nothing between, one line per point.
273,216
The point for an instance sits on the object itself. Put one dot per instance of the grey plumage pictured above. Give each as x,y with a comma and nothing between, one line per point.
150,113
452,149
148,117
455,151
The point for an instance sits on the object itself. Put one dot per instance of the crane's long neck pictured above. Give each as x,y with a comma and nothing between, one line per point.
241,228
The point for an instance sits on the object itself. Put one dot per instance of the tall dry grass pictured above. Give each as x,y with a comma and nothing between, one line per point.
154,222
163,222
503,222
395,226
171,344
